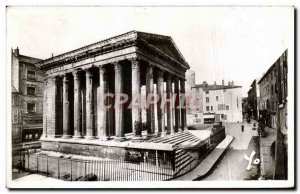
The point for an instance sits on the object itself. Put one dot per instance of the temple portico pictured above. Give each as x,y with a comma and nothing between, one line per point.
94,93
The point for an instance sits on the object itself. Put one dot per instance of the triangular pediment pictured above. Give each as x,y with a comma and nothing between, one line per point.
164,44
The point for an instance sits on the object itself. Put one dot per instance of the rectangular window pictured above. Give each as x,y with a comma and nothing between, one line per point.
15,100
207,108
227,107
30,90
207,99
15,116
225,117
221,106
30,107
30,74
206,92
217,98
211,108
222,116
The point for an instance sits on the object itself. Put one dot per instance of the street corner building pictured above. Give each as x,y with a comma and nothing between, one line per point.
27,101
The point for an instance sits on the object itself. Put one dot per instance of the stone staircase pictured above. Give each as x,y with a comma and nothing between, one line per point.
184,161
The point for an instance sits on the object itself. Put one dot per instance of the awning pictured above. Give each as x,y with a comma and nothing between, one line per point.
208,116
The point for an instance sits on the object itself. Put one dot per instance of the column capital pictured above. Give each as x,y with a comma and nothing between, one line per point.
169,76
89,72
160,72
102,70
118,66
135,60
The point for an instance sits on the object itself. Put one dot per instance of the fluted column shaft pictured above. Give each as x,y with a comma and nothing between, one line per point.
90,133
160,109
150,107
119,112
183,105
169,105
176,105
136,96
101,106
77,105
66,108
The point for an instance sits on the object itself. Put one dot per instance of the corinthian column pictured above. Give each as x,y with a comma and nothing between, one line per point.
101,108
169,105
119,115
136,105
45,103
183,105
176,105
160,109
150,107
90,131
66,108
77,106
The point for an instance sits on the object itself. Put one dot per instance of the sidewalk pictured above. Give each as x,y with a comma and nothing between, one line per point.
267,153
207,164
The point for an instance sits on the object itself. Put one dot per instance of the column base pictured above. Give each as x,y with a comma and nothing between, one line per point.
151,136
119,139
66,136
103,138
159,134
55,136
77,137
89,137
137,138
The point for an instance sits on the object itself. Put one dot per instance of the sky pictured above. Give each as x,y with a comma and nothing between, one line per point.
232,43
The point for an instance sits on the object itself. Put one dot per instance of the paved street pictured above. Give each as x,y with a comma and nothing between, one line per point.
232,166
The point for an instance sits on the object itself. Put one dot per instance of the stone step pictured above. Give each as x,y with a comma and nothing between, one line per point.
184,165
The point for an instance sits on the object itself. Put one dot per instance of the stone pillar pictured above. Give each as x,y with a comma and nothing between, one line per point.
77,106
90,131
160,109
45,103
66,108
183,104
150,107
136,96
101,106
176,105
170,128
119,113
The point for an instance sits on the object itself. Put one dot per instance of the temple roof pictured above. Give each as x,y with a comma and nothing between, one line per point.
163,45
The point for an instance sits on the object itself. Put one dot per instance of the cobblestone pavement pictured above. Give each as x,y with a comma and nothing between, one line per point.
232,166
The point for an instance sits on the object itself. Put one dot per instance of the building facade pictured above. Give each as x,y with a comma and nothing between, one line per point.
77,81
268,96
27,97
220,102
253,99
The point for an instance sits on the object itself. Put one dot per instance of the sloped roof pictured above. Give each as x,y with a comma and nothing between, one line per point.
215,87
160,43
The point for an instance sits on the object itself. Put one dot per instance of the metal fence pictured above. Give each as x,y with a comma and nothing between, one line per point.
148,167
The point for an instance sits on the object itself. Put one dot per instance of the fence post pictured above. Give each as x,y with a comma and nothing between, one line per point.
28,160
84,169
37,164
47,166
71,169
58,173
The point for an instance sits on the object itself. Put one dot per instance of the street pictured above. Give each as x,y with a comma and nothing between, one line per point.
232,166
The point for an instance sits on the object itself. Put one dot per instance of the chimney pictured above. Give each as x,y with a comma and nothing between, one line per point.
228,83
16,51
215,84
204,84
232,83
222,82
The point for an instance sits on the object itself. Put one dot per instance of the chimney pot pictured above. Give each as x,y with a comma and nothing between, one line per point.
222,82
232,83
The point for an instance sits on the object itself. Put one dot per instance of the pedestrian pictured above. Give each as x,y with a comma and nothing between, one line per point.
261,126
